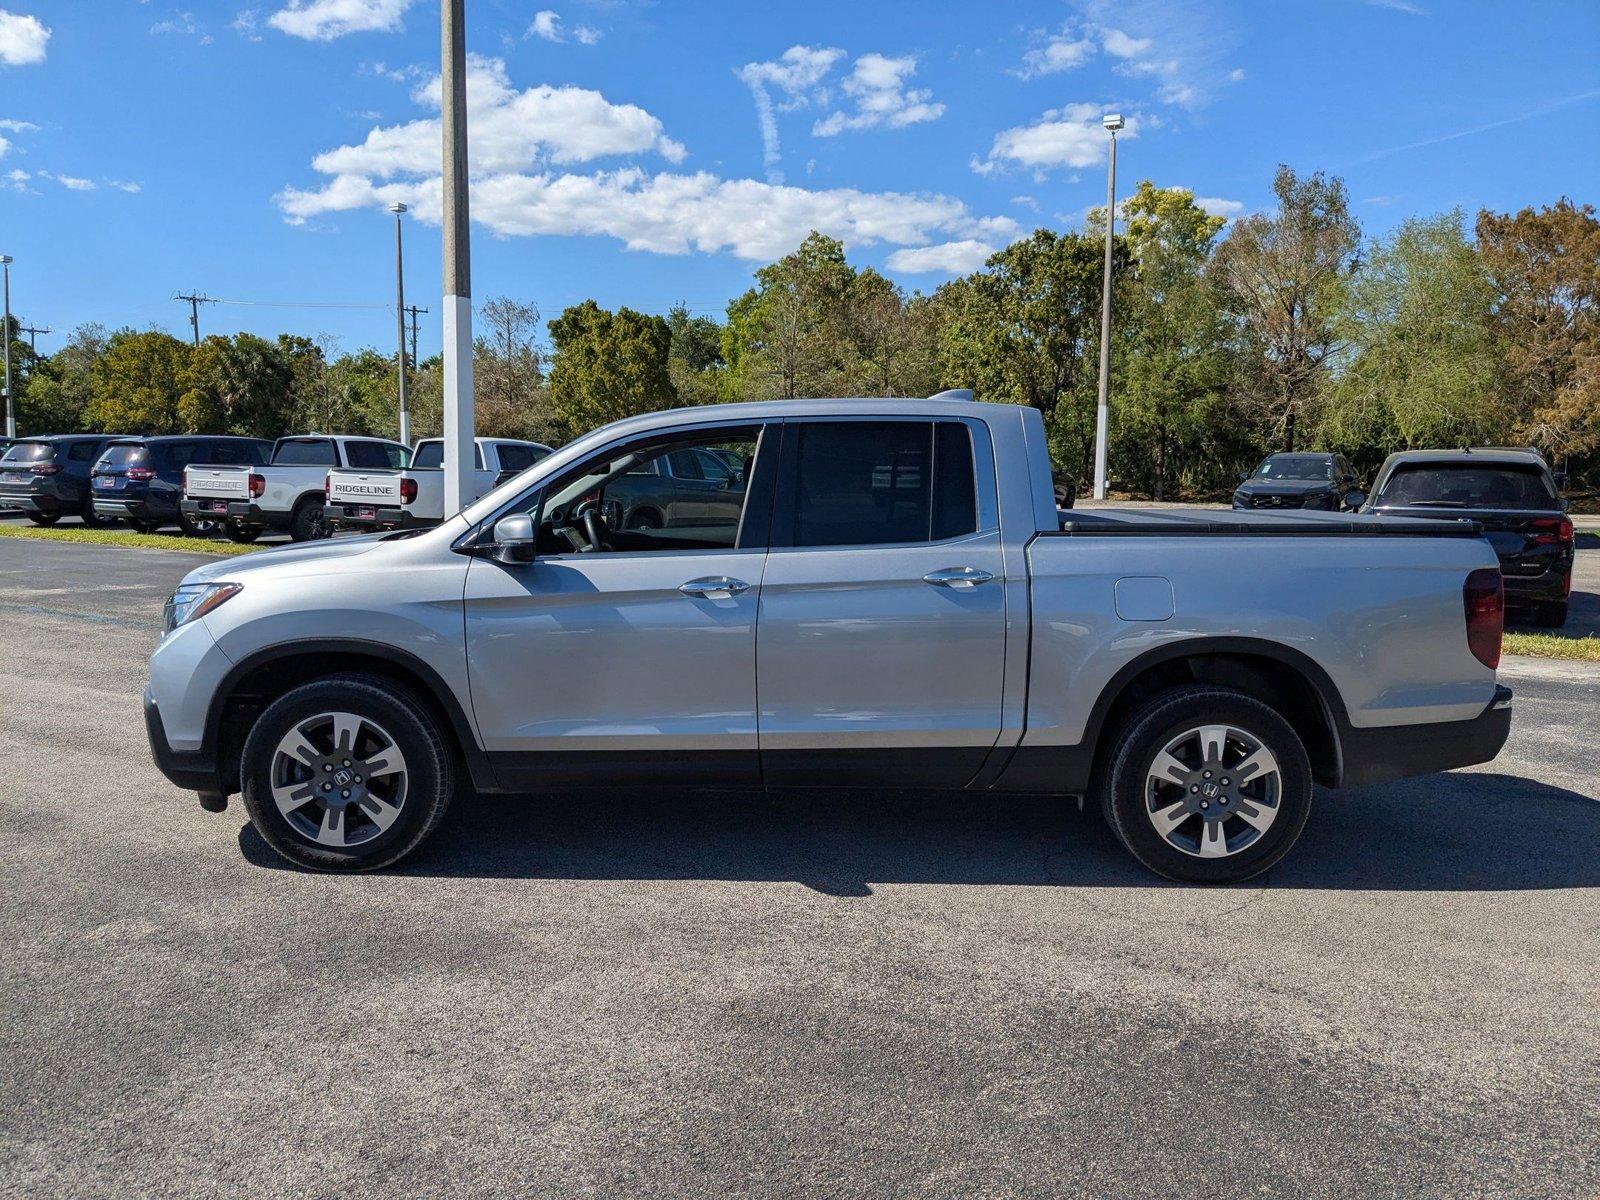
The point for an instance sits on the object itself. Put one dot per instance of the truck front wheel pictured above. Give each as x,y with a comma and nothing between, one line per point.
348,773
1206,785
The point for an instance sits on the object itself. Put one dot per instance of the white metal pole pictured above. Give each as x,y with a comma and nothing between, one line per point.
11,409
400,321
1102,411
457,315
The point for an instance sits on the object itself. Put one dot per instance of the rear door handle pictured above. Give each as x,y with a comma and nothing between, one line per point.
957,577
714,587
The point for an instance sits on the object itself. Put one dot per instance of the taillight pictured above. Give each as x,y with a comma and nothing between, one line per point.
258,485
141,473
327,488
408,491
45,468
1551,531
1484,597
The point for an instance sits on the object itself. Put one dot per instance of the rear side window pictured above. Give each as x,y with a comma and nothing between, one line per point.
519,458
865,483
375,455
227,454
126,456
430,456
1466,485
309,452
30,452
84,451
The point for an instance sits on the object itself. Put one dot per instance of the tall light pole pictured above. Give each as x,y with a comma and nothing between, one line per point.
457,314
1112,122
11,416
400,319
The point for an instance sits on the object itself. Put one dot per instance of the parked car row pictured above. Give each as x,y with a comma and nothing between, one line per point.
1512,493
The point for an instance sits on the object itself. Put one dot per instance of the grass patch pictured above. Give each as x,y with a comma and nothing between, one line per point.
1552,645
125,537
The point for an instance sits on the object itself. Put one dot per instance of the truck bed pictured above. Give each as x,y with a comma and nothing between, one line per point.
1196,522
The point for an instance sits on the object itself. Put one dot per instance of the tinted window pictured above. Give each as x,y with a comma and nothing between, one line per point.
863,483
83,451
1296,466
228,454
519,458
1466,485
684,465
125,456
308,452
375,455
430,456
30,452
176,455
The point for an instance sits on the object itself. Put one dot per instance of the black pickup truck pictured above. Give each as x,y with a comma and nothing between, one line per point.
1513,495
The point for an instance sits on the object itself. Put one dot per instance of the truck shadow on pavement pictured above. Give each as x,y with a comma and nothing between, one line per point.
1457,832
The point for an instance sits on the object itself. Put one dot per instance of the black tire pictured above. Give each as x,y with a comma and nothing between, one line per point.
1551,614
403,715
644,520
146,527
197,527
1148,730
243,534
306,524
92,519
45,519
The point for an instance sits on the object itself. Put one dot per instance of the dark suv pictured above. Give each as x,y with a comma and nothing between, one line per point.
141,479
48,477
1292,480
1513,495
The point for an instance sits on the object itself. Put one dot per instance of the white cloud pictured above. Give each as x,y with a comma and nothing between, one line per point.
1236,75
547,25
16,181
1123,46
5,145
126,185
71,182
22,39
877,84
1404,6
1063,52
519,138
508,130
795,74
1218,207
948,258
247,24
1062,137
11,125
184,24
324,20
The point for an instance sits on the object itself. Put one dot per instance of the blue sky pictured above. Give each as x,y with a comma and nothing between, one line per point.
649,153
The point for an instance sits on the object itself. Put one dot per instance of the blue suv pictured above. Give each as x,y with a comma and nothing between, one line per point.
140,480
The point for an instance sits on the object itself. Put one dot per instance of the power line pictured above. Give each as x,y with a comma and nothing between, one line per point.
195,300
33,332
414,310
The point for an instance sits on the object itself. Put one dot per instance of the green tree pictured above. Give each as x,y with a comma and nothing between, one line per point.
136,383
57,394
509,394
608,365
695,359
241,385
1025,330
1545,269
788,336
893,343
1426,364
1283,275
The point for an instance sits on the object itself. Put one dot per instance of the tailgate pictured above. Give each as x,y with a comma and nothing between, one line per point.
364,487
217,483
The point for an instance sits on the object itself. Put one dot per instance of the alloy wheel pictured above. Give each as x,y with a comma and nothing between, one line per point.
1213,791
339,779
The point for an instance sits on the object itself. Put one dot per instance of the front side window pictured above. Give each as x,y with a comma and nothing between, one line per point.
519,458
875,483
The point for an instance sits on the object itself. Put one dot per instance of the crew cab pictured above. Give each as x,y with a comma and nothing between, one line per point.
289,492
140,480
47,478
897,602
1513,495
358,498
1303,480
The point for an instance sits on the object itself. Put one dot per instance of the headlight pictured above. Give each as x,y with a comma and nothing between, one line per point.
193,600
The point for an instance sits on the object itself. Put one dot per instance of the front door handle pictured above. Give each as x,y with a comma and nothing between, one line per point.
957,577
714,587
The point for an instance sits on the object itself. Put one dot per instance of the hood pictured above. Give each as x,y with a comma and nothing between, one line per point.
288,560
1286,487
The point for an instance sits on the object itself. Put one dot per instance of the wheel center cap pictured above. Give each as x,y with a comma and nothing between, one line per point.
1210,790
343,777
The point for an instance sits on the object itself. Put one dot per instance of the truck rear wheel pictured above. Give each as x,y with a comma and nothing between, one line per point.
243,534
1207,785
44,518
348,773
307,525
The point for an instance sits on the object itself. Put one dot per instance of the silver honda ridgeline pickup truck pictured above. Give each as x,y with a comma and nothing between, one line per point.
892,600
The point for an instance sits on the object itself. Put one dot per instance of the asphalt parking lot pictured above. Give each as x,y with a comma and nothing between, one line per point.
848,994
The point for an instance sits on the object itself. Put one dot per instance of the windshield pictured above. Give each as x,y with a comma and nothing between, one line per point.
1464,485
30,452
1296,466
126,455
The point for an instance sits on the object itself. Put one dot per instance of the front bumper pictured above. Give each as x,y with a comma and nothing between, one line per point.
1380,754
195,770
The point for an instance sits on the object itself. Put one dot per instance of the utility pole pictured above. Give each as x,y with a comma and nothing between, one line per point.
5,336
457,314
398,210
195,300
414,310
33,333
1112,123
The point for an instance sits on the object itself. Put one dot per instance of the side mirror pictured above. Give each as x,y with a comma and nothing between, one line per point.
1243,475
1354,499
515,538
1559,477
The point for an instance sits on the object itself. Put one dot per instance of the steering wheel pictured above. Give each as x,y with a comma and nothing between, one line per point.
595,530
